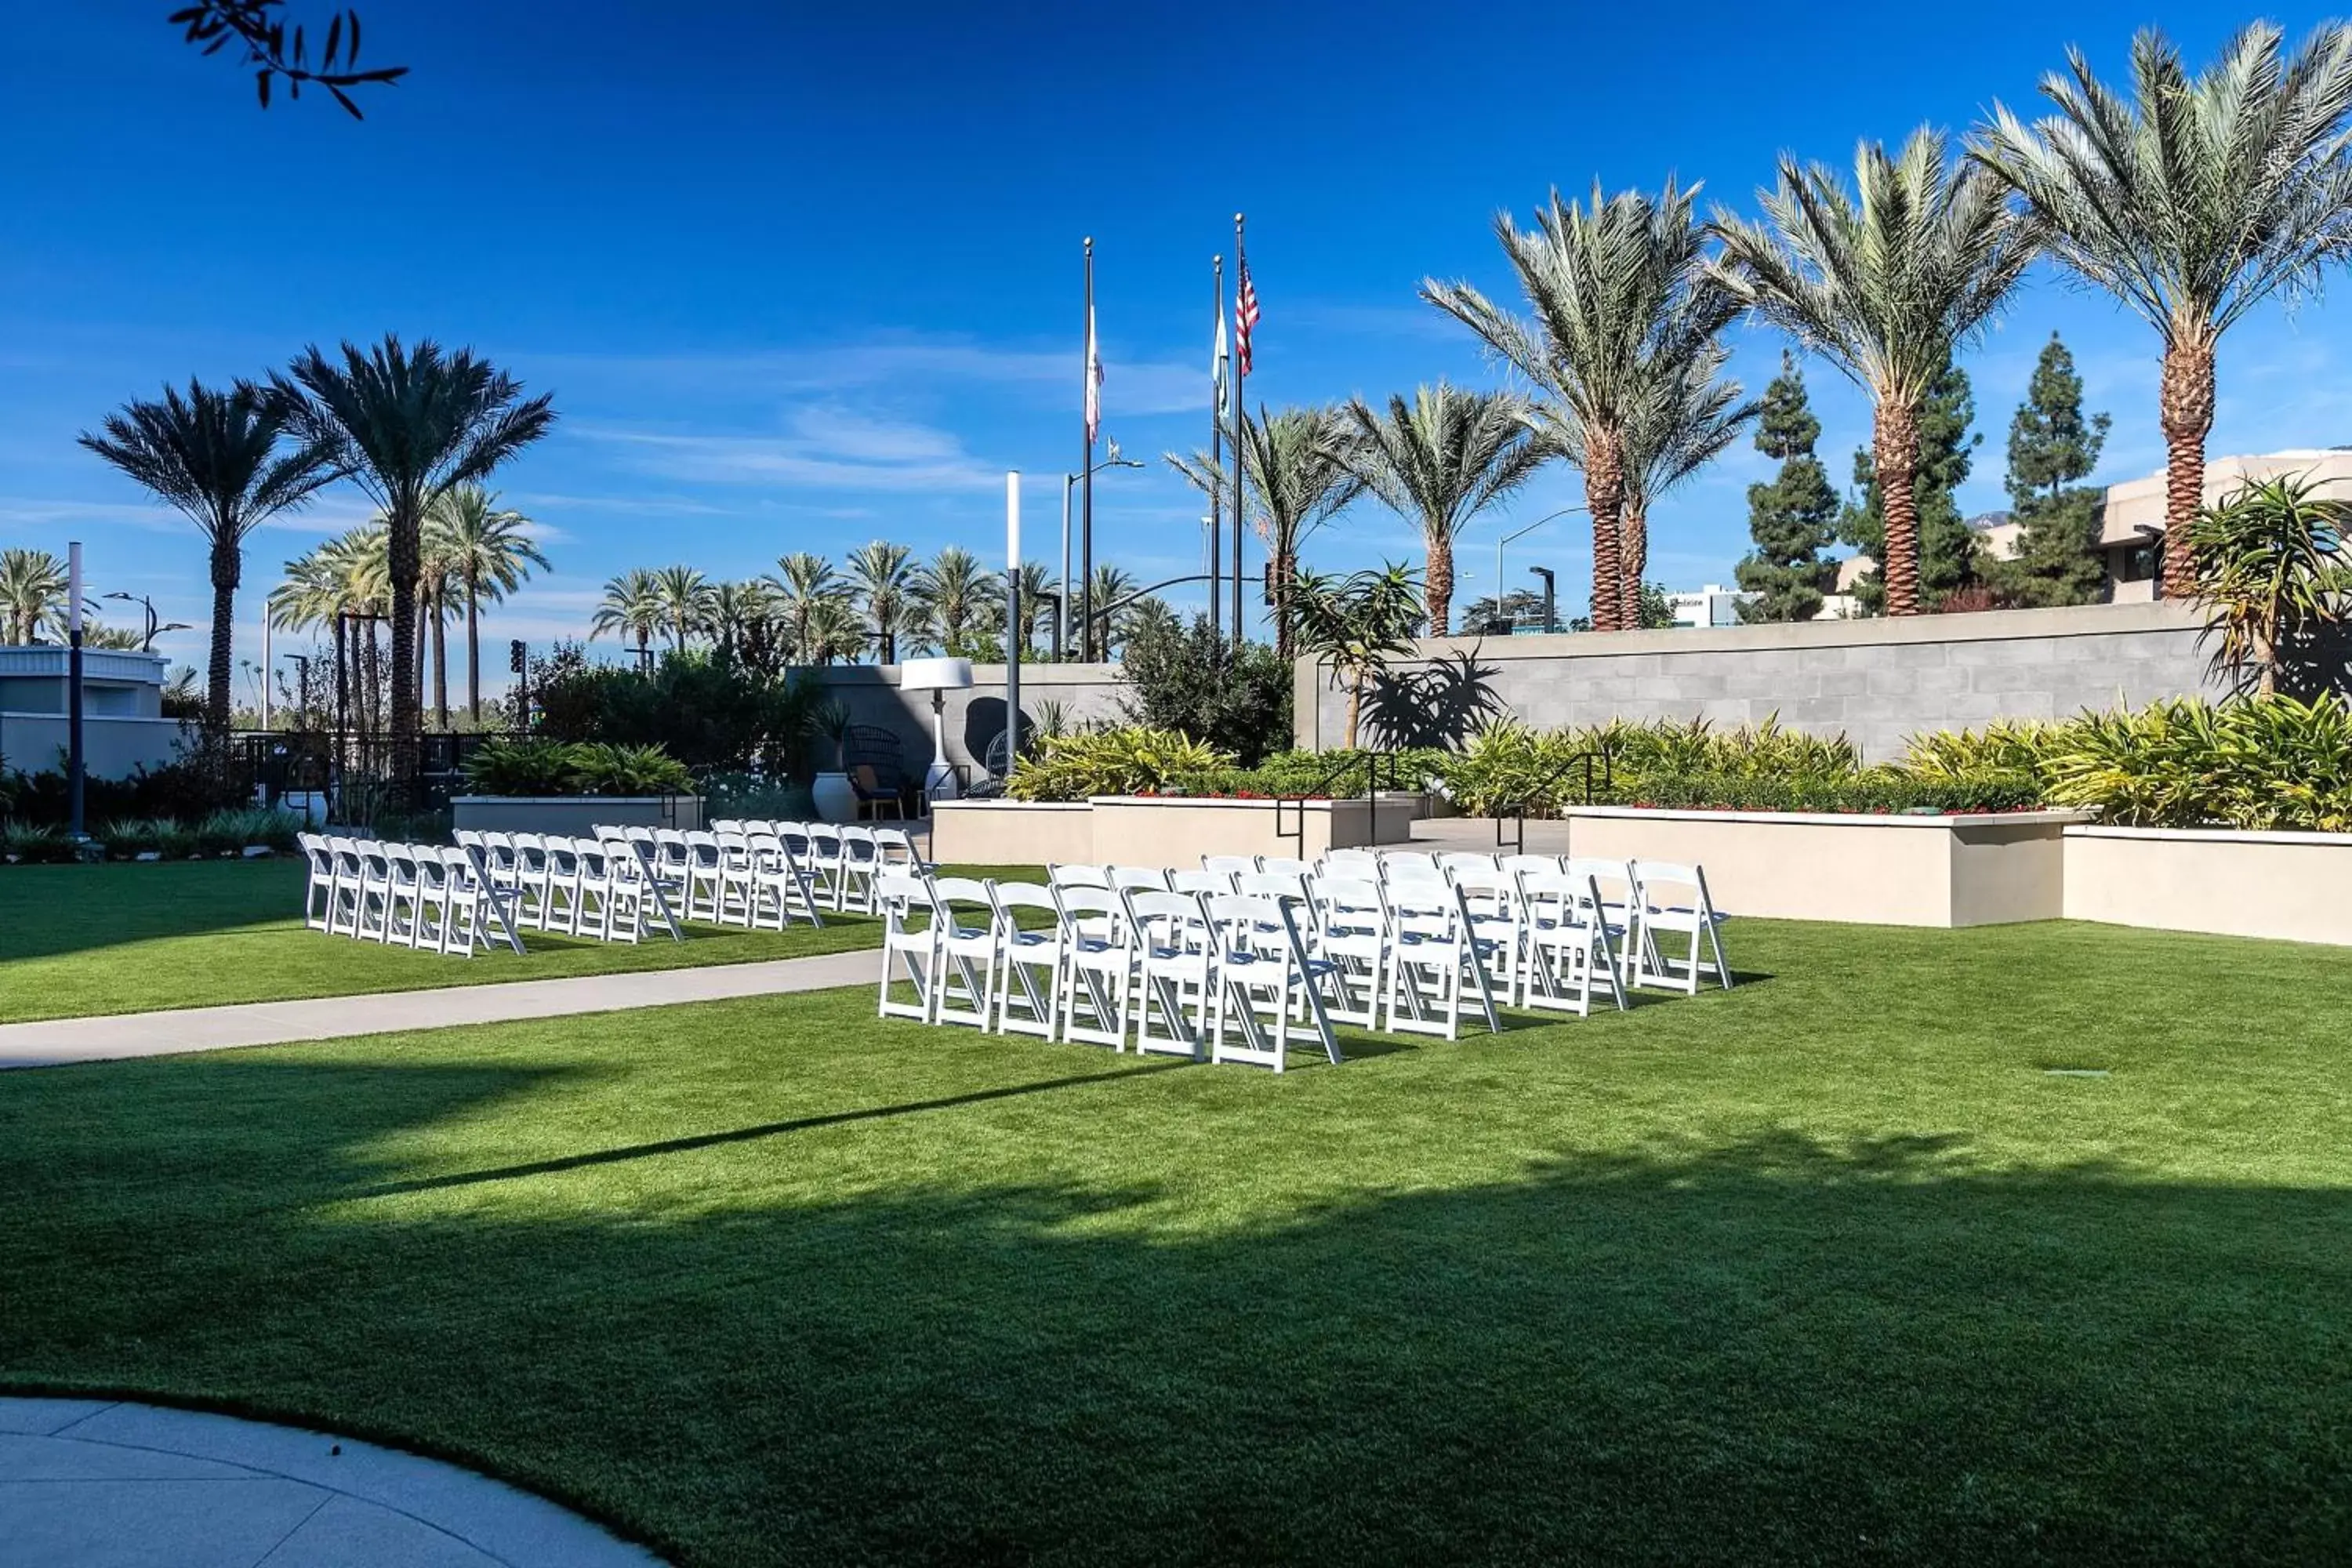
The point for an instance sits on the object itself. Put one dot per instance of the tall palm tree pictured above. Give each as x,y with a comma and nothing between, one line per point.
1620,294
1295,471
2191,203
831,628
807,591
688,604
1685,418
958,595
631,608
343,575
406,425
1039,584
437,589
1440,460
220,460
740,614
882,576
1886,286
33,588
491,552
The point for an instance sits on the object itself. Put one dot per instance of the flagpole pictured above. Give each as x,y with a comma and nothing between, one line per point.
1087,481
1241,273
1217,462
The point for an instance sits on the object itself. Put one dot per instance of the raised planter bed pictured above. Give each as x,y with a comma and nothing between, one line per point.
1160,830
574,815
2290,886
1960,870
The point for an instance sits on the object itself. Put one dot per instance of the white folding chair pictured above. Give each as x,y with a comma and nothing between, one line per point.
1279,865
1175,963
1149,878
1205,882
1410,865
320,887
1229,866
778,882
465,898
1023,1006
673,860
1263,980
1464,861
1517,866
592,890
350,894
1098,952
372,920
1437,973
861,856
1498,920
1059,876
969,950
706,868
1672,898
1348,930
737,885
1288,886
894,848
402,908
824,862
911,926
531,902
1359,863
563,885
1569,953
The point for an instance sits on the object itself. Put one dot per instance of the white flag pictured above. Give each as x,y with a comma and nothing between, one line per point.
1094,379
1217,367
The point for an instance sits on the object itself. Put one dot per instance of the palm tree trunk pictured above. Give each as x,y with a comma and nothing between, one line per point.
1437,593
1634,552
225,570
402,549
1604,496
2186,411
440,662
474,651
1895,451
1286,569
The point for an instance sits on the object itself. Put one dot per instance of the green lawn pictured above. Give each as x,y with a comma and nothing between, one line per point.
1830,1268
128,938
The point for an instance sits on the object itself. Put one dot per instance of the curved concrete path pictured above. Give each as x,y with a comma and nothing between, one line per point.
53,1042
98,1484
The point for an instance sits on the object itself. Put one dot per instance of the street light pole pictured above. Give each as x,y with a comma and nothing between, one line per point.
1013,627
1503,539
73,691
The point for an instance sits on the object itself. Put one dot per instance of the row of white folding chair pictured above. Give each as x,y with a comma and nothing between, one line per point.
860,848
602,888
1222,975
429,896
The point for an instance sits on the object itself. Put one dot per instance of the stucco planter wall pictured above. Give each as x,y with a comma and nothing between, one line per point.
1154,830
574,815
2292,886
1872,870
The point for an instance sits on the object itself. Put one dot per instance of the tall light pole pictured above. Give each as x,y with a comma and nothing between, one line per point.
1013,627
1503,539
73,691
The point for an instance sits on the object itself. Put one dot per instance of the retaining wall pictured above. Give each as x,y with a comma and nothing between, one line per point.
1877,681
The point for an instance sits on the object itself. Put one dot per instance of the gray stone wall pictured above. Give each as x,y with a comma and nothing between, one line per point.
1876,681
975,717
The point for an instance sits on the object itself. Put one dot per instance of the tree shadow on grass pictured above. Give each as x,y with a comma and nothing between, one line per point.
1774,1349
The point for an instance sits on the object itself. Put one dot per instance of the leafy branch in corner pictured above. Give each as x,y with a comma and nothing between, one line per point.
272,53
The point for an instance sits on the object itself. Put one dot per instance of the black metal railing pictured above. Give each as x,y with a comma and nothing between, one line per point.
362,773
1376,765
1517,815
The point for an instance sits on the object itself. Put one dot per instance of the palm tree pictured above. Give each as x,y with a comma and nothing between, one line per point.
491,553
217,459
343,575
1359,624
1621,295
831,628
408,425
1294,466
1039,586
436,588
1887,289
1439,461
741,615
1691,416
958,595
2191,205
804,584
688,604
882,576
33,588
631,607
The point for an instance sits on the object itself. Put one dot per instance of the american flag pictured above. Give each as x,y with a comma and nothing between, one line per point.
1244,311
1094,379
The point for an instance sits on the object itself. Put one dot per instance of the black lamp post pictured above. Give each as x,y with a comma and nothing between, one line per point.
1550,600
156,626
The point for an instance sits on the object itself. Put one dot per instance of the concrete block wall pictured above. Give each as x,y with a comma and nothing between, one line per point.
1876,681
975,717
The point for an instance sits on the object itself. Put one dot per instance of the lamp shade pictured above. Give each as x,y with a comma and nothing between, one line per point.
935,675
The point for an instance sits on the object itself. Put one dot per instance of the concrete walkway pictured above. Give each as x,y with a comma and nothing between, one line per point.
55,1041
98,1484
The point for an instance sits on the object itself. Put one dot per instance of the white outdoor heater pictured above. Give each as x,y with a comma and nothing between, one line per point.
939,677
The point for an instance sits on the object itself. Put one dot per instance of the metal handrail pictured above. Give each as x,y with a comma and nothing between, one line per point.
1518,843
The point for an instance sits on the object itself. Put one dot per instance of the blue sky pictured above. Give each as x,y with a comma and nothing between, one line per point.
801,282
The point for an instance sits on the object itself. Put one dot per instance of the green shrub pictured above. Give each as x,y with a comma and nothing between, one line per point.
2005,746
1188,679
1882,791
599,768
33,843
520,767
1132,761
1337,773
235,830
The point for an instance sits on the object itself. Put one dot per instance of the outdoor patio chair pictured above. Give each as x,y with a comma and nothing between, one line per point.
874,797
401,917
563,885
860,857
823,861
970,950
911,926
1437,968
1175,971
1672,900
1348,928
1568,952
320,887
1264,980
1024,1005
1098,954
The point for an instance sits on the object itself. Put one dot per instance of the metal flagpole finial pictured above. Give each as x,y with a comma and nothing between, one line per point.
1091,242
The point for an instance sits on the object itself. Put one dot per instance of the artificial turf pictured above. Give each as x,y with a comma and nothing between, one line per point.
1833,1268
126,937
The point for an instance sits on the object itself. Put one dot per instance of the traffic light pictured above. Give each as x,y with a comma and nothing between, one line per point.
517,654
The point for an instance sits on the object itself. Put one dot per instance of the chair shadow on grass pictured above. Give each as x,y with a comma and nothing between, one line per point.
1778,1347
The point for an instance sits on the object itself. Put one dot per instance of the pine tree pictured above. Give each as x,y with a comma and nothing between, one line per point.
1947,546
1793,519
2051,446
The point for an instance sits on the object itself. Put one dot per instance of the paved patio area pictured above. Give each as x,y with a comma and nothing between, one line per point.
56,1042
98,1484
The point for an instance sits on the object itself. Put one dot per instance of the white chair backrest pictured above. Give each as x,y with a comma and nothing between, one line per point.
1097,912
1148,878
1202,881
1229,865
1279,865
1538,865
1350,863
1402,863
1464,861
1615,876
1077,876
1284,885
1167,921
1008,897
893,846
